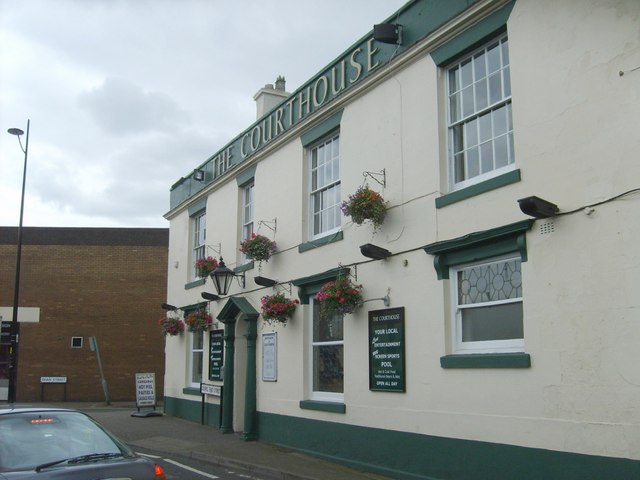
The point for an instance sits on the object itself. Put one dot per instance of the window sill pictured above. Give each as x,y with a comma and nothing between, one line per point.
473,190
195,283
244,267
191,391
323,406
319,242
486,360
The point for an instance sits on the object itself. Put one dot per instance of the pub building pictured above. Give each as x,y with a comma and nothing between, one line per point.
446,284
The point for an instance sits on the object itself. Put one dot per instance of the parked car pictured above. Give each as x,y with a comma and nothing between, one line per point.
59,443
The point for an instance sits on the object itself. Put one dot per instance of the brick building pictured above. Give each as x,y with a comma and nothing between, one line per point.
82,282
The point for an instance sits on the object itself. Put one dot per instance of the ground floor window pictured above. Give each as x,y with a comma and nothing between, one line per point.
196,352
327,352
324,345
484,274
487,306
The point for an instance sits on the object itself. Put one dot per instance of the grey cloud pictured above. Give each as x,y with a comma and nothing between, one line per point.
120,107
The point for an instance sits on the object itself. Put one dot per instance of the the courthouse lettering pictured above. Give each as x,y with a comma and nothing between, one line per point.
341,75
222,161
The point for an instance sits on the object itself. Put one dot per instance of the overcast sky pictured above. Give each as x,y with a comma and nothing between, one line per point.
127,96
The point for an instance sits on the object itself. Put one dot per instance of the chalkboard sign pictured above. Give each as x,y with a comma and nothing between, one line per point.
386,350
216,354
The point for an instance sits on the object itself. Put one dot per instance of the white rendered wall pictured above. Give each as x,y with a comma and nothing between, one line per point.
575,130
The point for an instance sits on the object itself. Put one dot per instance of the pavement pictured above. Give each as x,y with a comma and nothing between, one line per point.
171,435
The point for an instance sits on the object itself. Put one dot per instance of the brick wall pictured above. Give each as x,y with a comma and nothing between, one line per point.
111,290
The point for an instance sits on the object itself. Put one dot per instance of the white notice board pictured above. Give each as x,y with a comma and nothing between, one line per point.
270,357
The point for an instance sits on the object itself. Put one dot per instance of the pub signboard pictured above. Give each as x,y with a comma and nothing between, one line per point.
386,350
216,350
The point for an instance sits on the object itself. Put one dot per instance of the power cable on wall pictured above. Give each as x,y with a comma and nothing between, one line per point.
616,197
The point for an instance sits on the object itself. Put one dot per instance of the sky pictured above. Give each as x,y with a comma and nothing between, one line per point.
125,97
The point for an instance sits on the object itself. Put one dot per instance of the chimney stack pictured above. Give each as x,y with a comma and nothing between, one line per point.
269,96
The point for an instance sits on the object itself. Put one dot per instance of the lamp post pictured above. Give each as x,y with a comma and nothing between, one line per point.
15,326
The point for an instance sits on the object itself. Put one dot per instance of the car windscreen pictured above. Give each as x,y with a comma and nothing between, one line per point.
28,440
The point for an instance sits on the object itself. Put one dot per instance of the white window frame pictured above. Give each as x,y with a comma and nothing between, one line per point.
247,215
337,397
199,237
191,351
474,143
331,185
492,346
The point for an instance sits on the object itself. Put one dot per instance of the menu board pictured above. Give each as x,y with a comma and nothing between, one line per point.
216,352
386,350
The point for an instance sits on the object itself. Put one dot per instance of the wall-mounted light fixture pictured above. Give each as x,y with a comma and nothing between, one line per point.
537,207
386,300
166,306
210,296
222,277
264,281
388,33
198,175
375,252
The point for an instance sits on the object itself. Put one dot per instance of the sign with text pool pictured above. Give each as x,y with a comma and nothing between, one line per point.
386,350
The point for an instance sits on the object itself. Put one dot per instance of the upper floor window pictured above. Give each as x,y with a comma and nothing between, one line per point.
324,202
480,127
199,235
247,214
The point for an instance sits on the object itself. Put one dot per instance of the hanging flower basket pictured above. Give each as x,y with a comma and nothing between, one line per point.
365,204
277,308
204,266
258,247
339,297
171,326
198,321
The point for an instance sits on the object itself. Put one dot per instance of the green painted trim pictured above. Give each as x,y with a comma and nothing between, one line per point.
234,306
246,176
321,277
320,242
197,207
487,360
194,306
192,410
472,36
479,188
226,425
322,129
195,283
191,391
250,431
478,246
478,238
244,267
323,406
404,456
311,285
